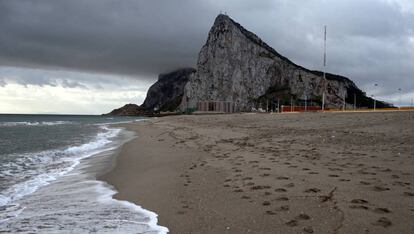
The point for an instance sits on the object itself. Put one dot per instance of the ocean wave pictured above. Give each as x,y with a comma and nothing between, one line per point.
34,123
107,192
120,122
34,170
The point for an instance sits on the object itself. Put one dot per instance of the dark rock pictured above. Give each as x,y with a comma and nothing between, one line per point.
128,110
164,95
167,92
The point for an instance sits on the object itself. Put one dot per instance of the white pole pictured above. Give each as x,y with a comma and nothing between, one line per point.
267,105
323,101
278,111
324,71
375,101
400,97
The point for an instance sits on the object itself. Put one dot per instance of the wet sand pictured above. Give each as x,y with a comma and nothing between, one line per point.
262,173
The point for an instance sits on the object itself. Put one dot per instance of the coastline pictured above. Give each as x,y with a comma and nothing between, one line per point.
70,197
241,173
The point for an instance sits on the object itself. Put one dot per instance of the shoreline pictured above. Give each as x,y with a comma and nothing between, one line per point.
152,175
77,200
310,173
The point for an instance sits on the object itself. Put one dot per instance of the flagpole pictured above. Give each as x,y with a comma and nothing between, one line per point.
324,71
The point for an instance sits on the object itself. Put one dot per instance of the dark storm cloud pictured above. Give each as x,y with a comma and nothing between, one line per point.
371,41
129,37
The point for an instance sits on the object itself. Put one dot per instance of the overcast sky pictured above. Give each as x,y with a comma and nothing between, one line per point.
78,56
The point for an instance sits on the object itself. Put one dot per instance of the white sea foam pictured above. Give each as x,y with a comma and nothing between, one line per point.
108,192
76,200
48,166
34,123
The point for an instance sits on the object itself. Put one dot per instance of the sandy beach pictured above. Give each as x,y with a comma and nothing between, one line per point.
279,173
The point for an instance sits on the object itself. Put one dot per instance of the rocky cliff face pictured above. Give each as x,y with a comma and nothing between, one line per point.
235,65
167,92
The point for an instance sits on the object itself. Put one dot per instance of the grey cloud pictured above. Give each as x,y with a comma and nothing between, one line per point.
68,79
369,40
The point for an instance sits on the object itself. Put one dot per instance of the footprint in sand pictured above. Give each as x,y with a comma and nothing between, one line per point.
292,223
380,188
303,216
359,201
290,185
400,183
382,210
260,187
269,212
282,178
266,203
283,208
385,170
410,194
362,207
247,178
265,175
265,169
312,190
308,229
383,222
283,198
280,190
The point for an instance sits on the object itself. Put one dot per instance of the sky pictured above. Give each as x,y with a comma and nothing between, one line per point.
88,57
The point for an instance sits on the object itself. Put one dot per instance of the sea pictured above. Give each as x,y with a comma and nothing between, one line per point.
49,165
